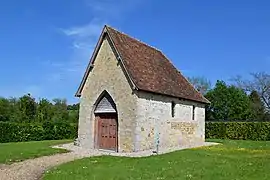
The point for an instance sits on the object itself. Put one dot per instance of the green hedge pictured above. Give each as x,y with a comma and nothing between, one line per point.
259,131
18,132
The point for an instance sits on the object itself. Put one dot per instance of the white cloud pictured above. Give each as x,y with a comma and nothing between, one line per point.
84,38
88,30
62,77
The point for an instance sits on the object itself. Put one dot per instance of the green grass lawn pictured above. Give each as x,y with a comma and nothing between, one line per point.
13,152
241,160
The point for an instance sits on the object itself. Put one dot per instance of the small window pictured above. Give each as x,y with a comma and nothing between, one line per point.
193,112
173,109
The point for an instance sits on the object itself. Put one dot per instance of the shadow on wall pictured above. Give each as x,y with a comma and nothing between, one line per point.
167,99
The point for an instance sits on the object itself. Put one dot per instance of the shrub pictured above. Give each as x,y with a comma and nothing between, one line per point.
65,131
18,132
48,128
259,131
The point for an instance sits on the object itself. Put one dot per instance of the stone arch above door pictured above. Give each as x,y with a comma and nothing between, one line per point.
105,104
106,123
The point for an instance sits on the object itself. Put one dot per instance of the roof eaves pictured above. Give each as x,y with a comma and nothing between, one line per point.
173,96
90,64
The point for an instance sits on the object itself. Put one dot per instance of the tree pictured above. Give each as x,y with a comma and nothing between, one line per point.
73,112
60,110
27,107
73,106
260,82
201,84
44,110
5,109
73,116
15,114
257,106
228,103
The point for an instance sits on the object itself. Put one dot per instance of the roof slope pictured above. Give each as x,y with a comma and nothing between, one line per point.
150,70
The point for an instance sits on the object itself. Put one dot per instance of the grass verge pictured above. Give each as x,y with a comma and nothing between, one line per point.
241,160
14,152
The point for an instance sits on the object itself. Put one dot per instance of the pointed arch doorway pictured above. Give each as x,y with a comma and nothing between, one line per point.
106,123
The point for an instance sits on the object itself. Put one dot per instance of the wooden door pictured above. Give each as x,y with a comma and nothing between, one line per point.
107,131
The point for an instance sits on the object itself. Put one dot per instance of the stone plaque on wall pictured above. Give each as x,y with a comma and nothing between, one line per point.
185,127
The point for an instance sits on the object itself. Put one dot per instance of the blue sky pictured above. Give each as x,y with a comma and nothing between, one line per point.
46,45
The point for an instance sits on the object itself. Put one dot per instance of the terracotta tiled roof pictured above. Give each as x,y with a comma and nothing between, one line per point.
151,70
148,68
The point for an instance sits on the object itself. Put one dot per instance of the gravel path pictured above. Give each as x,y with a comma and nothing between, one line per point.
33,169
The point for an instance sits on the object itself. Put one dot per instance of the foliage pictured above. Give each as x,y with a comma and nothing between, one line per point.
259,131
257,106
14,152
24,119
242,160
73,116
200,83
44,110
18,132
73,107
25,110
228,103
244,101
14,110
27,107
60,110
4,109
260,82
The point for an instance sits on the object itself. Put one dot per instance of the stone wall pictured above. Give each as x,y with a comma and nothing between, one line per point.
108,75
155,121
